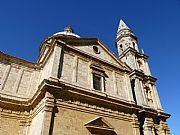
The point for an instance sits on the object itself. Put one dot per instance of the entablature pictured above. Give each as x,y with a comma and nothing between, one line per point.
140,75
134,52
68,92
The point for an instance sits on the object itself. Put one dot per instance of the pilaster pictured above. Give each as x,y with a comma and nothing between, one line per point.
143,93
154,99
135,125
139,93
24,127
128,88
48,114
5,76
56,63
147,68
148,126
163,128
159,106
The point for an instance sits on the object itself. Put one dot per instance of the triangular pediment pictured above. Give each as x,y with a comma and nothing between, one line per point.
88,46
99,122
100,126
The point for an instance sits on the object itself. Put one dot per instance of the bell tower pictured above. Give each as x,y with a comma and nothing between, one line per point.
125,38
142,82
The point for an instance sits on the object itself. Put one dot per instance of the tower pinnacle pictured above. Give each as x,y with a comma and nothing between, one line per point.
122,25
125,38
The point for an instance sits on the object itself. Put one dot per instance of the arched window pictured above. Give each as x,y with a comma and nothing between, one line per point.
134,45
121,47
140,65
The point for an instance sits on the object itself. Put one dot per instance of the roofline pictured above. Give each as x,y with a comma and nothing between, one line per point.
116,57
8,59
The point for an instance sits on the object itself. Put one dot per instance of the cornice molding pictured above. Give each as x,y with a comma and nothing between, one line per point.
71,94
8,59
140,75
89,56
125,35
134,52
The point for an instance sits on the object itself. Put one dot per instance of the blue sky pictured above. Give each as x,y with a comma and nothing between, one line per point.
24,24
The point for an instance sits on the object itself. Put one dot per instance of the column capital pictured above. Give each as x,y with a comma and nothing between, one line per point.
135,121
164,129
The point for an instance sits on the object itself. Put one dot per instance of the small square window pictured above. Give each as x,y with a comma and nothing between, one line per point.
96,82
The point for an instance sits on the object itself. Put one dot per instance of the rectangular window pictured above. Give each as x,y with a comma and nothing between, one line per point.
96,82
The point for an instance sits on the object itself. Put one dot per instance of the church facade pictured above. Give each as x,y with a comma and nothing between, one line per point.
79,87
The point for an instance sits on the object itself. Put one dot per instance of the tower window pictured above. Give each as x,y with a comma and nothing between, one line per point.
121,45
140,65
96,82
133,45
133,90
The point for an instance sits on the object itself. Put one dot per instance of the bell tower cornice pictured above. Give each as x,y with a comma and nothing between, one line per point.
133,51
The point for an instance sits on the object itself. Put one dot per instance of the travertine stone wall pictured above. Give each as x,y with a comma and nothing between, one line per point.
68,122
67,67
9,125
46,70
82,72
103,54
110,87
120,86
76,70
17,80
130,60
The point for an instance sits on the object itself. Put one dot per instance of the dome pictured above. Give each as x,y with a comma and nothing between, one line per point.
68,31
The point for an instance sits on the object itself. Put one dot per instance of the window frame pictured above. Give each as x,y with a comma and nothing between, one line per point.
98,71
99,78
